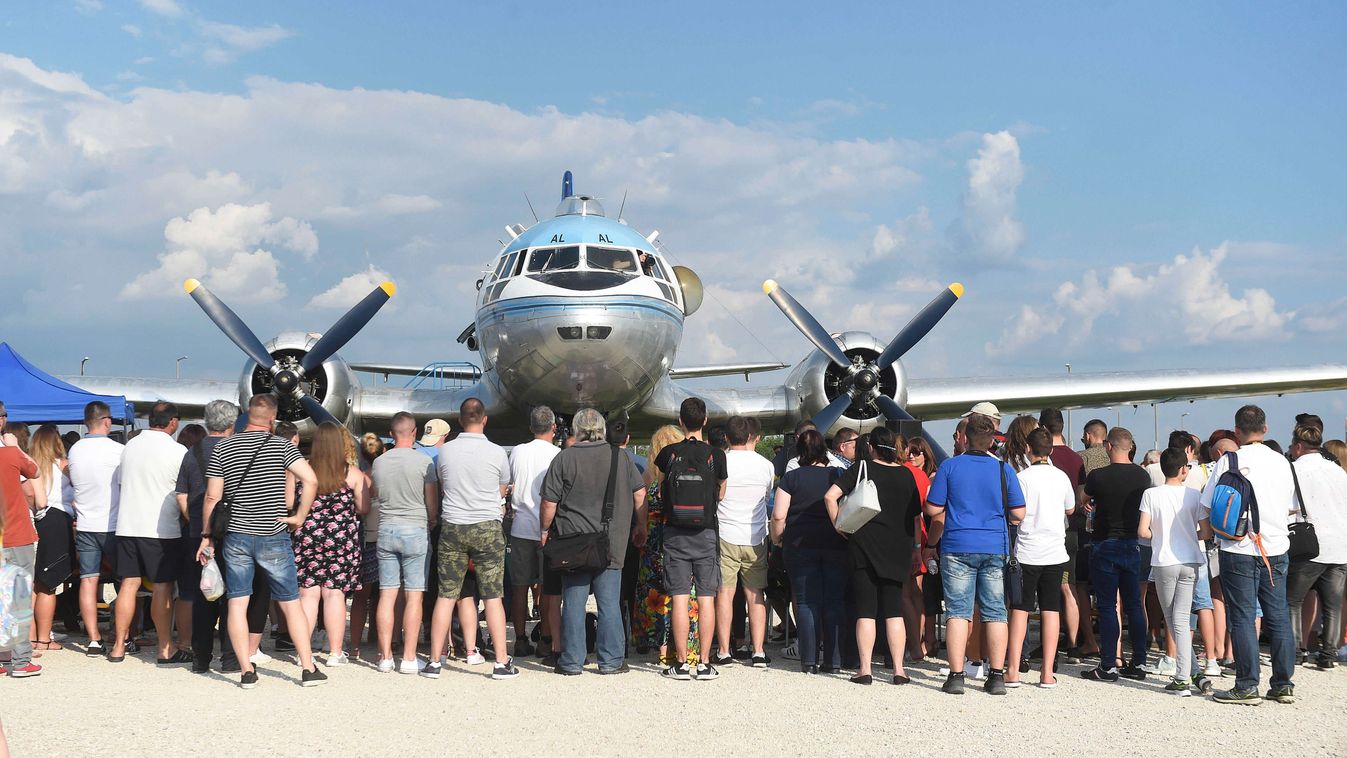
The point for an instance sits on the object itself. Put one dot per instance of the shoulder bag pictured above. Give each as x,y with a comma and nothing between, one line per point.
587,551
1014,571
1304,541
857,508
219,516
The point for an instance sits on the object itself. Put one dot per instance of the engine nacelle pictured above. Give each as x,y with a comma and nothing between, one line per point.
815,381
332,383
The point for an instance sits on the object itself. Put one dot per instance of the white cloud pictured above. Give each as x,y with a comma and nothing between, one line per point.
168,8
131,29
143,60
988,227
388,205
350,290
129,76
88,7
230,41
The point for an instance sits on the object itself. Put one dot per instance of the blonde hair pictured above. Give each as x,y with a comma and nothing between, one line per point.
1339,450
663,437
371,446
350,449
47,449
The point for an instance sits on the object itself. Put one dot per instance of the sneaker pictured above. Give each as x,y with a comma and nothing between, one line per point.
707,671
761,660
386,665
408,667
21,672
260,657
522,648
678,670
976,670
1133,672
1325,661
568,672
995,684
1342,653
312,677
1285,694
722,659
1097,674
337,659
778,634
58,637
248,680
742,653
1166,666
504,670
431,671
1238,696
1179,687
1212,668
1202,684
475,658
791,652
96,648
284,643
624,668
1073,655
953,684
230,666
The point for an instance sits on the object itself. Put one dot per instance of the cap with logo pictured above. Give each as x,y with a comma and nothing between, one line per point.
436,429
984,408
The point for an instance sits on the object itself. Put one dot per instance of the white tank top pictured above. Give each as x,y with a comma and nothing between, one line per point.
60,493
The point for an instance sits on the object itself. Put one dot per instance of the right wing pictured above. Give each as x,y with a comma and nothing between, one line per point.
729,369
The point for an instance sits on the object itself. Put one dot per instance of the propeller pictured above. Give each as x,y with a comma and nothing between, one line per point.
287,379
862,380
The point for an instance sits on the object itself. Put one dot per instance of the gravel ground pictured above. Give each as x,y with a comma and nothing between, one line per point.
86,706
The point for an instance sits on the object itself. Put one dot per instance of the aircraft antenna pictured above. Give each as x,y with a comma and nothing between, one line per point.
530,202
622,207
664,250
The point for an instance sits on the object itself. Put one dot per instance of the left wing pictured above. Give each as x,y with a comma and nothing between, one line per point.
728,369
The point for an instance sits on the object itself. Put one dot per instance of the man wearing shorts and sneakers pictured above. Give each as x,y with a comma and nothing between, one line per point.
95,464
742,521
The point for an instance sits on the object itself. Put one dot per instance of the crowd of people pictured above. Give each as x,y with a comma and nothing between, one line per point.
862,547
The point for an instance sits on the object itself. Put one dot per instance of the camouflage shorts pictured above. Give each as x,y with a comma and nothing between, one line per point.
484,544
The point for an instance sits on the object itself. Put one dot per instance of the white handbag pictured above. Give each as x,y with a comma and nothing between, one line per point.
856,509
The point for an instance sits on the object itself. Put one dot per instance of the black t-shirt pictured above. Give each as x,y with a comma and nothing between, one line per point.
807,522
885,542
1117,489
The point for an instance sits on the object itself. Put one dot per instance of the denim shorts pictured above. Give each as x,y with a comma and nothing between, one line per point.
91,548
1202,590
967,574
402,553
273,554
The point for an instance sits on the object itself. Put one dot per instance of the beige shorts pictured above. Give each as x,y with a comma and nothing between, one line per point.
746,561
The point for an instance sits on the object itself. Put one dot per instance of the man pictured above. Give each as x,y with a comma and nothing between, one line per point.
406,493
1253,569
1115,497
437,431
1324,487
474,479
149,532
972,502
690,552
20,538
1075,585
742,520
95,462
219,417
248,469
1094,455
573,493
528,465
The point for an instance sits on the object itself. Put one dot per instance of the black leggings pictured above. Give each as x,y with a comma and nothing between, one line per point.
876,597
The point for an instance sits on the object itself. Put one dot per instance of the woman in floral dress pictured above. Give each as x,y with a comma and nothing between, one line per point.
328,543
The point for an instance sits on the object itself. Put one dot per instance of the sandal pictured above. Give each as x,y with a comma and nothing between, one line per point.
47,645
182,656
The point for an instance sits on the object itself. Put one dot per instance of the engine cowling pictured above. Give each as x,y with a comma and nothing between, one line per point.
332,383
816,381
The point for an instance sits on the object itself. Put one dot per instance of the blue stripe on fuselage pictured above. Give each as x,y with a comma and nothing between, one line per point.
641,304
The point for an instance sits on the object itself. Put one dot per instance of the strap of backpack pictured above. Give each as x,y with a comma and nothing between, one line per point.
608,494
1304,515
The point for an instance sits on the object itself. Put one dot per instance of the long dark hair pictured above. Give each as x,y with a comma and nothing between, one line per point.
884,444
919,444
811,449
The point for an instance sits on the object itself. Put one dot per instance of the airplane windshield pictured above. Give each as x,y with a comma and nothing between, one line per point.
554,259
609,259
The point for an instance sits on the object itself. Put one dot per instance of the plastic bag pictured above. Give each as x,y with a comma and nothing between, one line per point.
212,581
16,604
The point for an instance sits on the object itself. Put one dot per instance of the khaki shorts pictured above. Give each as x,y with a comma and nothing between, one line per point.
746,561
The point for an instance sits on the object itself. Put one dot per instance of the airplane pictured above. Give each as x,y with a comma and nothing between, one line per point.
581,310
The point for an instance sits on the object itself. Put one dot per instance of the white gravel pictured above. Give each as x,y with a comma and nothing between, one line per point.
87,706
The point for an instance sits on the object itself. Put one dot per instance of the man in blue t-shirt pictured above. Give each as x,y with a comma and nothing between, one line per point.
972,499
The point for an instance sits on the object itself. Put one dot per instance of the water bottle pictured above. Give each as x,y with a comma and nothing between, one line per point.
933,567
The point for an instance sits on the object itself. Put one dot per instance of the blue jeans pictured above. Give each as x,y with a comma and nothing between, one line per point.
273,554
966,574
818,580
25,557
402,551
1247,586
611,643
1114,567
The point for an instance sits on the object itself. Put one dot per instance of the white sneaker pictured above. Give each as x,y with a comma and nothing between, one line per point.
791,652
1342,653
259,658
411,667
58,637
1166,666
475,658
339,659
1212,669
386,665
1151,668
977,671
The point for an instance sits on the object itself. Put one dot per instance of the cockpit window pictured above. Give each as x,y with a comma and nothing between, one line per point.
610,259
656,269
554,259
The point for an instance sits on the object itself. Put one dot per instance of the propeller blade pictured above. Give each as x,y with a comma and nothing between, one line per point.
229,323
347,326
317,413
920,325
824,419
806,323
892,410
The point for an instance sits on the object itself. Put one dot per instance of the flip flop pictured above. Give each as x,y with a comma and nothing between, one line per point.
182,656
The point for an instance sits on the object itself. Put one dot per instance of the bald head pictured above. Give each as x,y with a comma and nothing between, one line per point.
262,410
472,415
403,429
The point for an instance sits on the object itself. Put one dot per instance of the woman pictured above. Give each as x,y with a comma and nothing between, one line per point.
371,447
189,580
650,623
53,499
919,616
815,554
880,551
1017,441
327,544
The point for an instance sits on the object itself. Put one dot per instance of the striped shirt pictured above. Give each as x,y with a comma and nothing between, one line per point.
257,504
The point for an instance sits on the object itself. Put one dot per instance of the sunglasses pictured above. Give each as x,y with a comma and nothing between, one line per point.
914,453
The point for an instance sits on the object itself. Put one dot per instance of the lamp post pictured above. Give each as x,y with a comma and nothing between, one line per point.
179,361
1183,423
1068,411
1155,411
82,362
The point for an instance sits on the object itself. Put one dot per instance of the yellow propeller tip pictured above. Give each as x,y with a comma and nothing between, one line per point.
389,288
769,286
957,289
190,285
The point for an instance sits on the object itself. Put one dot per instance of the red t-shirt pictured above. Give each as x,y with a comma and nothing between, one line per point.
19,529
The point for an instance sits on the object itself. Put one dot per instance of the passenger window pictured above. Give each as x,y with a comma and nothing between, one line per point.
554,259
610,259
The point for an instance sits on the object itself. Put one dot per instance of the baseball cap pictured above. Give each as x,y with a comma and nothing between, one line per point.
435,429
984,408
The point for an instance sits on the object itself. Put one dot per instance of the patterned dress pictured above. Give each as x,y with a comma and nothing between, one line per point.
327,545
651,623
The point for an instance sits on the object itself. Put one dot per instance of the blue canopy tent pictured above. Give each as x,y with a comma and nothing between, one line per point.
31,395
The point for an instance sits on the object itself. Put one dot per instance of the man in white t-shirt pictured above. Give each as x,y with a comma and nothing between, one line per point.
1253,569
742,523
149,531
1049,498
95,465
1323,484
528,466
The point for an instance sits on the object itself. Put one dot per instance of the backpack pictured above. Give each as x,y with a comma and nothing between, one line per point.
16,604
690,486
1234,508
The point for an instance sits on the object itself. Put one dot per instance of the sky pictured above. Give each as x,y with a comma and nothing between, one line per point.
1125,186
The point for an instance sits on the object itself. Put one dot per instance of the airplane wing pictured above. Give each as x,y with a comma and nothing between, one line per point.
463,373
190,395
729,369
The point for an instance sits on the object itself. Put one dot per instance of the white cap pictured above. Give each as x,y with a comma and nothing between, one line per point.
986,409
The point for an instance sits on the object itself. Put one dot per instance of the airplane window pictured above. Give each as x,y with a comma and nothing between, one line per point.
519,264
554,259
660,273
610,259
507,266
500,266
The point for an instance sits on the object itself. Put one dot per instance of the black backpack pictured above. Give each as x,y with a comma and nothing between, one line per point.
690,486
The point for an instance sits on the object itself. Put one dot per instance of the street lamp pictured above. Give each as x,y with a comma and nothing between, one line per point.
181,358
1068,411
1183,424
82,362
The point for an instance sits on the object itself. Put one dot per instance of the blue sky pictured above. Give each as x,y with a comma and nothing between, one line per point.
862,155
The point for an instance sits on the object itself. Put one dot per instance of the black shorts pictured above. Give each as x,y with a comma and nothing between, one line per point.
1082,572
154,559
1041,586
932,593
1072,547
551,580
525,565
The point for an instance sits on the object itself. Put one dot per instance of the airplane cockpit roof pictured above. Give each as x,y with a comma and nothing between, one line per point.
581,205
579,229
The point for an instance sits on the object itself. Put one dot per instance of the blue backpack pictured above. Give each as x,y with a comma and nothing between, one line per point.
1233,503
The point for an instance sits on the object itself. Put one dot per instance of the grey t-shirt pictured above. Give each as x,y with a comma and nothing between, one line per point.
472,470
400,478
576,481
